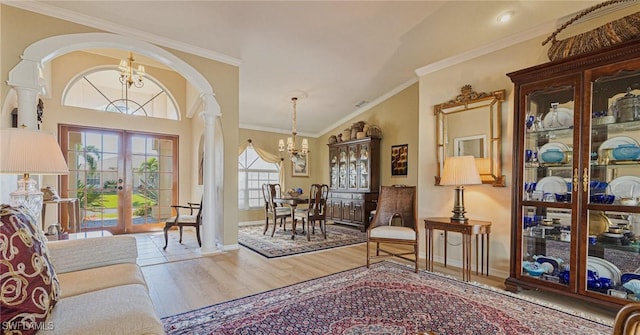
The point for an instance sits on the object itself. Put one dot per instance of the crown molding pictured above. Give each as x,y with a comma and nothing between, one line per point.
43,8
487,49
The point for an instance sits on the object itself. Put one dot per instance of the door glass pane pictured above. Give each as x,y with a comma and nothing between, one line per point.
546,243
153,179
613,259
93,177
548,197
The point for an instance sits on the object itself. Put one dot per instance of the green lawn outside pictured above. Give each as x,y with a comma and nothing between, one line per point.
111,200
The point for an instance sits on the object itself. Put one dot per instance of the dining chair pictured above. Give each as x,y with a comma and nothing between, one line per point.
184,220
272,209
627,321
316,211
395,222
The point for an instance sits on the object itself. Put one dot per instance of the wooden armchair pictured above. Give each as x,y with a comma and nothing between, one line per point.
395,222
627,321
317,210
182,220
273,210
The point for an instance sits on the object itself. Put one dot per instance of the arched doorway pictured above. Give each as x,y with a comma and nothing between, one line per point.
28,86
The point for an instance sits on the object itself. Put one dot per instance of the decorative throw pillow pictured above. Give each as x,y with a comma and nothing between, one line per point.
29,286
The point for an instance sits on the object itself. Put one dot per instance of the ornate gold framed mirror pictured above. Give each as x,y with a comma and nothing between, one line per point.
470,124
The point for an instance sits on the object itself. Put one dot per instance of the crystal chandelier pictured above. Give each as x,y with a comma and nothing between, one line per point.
294,153
128,75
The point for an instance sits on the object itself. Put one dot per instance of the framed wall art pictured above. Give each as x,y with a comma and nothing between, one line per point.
399,159
300,168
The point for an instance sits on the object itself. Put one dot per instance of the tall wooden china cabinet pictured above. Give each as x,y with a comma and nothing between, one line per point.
354,172
576,213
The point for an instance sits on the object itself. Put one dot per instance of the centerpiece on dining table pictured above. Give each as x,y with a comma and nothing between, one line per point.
294,192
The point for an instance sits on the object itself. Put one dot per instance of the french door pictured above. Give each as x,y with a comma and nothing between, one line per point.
125,181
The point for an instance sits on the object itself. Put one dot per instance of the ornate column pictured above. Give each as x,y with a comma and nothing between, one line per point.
27,107
26,78
211,224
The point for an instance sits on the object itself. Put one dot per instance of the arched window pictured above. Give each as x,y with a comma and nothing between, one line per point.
101,89
252,173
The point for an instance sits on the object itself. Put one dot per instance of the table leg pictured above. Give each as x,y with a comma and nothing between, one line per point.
445,248
293,221
468,263
477,255
464,257
44,211
488,254
76,216
430,249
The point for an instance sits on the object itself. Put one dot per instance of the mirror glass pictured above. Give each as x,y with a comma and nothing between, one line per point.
469,125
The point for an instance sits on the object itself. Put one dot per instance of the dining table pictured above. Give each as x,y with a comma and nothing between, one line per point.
293,203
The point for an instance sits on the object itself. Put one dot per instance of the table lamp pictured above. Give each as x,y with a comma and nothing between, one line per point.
460,171
25,151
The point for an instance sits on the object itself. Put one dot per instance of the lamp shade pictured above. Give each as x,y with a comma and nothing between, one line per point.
460,170
30,151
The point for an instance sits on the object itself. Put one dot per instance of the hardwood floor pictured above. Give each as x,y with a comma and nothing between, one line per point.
184,282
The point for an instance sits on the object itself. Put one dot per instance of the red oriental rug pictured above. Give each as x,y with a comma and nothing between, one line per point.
389,299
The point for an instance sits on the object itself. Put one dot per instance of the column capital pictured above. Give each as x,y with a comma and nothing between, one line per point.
27,75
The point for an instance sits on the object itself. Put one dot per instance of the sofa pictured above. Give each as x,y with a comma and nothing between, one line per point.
91,286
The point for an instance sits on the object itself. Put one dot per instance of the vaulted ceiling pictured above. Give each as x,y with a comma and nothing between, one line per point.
345,55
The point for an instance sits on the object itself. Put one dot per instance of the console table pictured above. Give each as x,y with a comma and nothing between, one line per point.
73,211
468,230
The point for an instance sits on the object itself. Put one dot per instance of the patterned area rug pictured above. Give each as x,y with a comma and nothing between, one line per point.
387,299
281,244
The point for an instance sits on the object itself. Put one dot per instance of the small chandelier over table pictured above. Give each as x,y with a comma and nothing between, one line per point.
129,75
294,152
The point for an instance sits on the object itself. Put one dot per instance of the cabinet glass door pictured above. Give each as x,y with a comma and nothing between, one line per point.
342,168
548,197
613,253
333,167
353,166
363,157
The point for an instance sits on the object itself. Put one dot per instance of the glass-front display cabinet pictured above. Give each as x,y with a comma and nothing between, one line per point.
576,209
354,174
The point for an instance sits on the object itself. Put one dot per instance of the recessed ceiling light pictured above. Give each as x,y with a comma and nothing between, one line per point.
505,17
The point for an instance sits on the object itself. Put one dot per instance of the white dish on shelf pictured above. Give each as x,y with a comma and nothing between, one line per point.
605,269
625,187
614,142
560,118
552,184
552,145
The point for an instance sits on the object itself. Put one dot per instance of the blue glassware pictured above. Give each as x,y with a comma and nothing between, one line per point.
593,280
598,186
530,121
609,199
597,198
552,156
527,155
626,152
